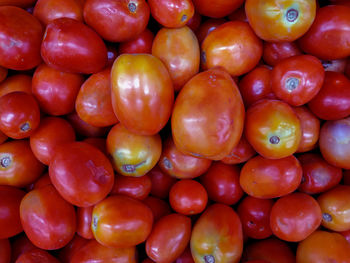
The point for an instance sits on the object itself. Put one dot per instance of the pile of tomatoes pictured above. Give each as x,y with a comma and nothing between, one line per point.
175,131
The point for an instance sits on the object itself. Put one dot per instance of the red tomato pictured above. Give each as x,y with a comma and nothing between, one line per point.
186,256
218,8
81,173
141,44
21,35
222,183
346,234
165,243
158,206
208,115
71,46
207,26
37,256
274,52
161,182
5,251
328,37
238,14
19,245
142,93
19,115
121,221
18,82
44,180
117,21
136,187
65,254
217,236
3,137
241,153
99,143
84,217
54,224
270,178
20,3
195,21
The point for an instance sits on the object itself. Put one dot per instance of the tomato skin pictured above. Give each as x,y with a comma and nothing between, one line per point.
21,38
270,178
233,46
54,224
217,234
241,153
337,65
165,244
322,246
99,143
141,44
84,217
287,20
185,257
5,251
272,128
158,206
3,137
212,101
37,256
18,82
68,55
274,52
117,21
83,128
10,199
19,115
207,26
51,132
19,245
254,214
218,8
141,111
328,36
136,187
19,3
296,80
66,253
195,21
121,221
19,167
178,49
161,182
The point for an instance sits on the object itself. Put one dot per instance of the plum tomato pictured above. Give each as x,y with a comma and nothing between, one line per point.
5,251
274,52
17,82
66,253
218,8
158,206
241,153
19,245
207,26
161,182
36,255
195,21
19,3
141,44
84,218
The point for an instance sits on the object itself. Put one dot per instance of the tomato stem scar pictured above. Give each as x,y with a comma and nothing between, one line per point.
132,7
5,161
274,139
292,15
209,259
327,217
292,84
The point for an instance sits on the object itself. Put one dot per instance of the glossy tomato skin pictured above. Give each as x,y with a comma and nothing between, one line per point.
254,214
241,153
66,253
5,251
207,26
52,131
117,21
233,46
322,246
332,101
136,187
55,90
216,9
84,217
121,221
179,165
93,103
142,93
288,21
217,235
18,165
274,52
296,80
36,255
318,175
19,115
141,44
272,128
68,55
178,49
158,206
54,224
21,37
10,199
207,118
165,243
270,178
19,3
19,245
17,82
328,36
161,182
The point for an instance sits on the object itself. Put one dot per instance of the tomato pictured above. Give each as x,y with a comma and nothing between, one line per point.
18,165
332,101
233,46
112,54
136,187
217,236
62,45
43,180
318,175
238,14
185,257
296,80
3,137
19,115
165,243
241,153
270,178
84,217
346,234
5,251
142,93
287,20
207,26
188,197
195,21
95,252
179,165
99,143
336,208
19,245
254,214
274,52
158,206
3,73
49,10
141,44
328,36
93,103
117,21
55,90
222,183
121,221
19,3
337,65
81,173
47,219
334,142
217,9
65,254
322,246
133,154
161,182
21,35
37,256
178,49
18,82
207,118
51,132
